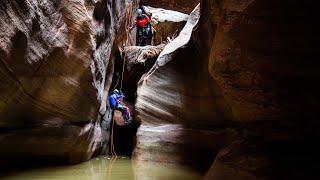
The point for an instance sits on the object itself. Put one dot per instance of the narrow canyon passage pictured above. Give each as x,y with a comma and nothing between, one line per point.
226,90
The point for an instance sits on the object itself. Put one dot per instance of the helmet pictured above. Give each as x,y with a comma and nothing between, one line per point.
116,91
139,12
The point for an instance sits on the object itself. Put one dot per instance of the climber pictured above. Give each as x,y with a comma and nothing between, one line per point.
144,29
114,101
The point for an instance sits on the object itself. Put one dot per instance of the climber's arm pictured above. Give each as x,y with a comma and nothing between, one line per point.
148,19
120,97
133,26
112,102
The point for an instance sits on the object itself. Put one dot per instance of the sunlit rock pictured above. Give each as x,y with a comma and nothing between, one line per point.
177,103
177,5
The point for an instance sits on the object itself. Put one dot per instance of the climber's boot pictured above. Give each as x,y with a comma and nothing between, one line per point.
127,119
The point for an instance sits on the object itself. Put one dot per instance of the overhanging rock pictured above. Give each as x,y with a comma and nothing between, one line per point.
177,43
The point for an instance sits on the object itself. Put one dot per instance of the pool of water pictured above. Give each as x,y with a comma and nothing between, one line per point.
106,168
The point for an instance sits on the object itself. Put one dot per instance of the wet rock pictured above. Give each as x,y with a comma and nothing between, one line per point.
55,72
176,144
62,143
260,159
237,161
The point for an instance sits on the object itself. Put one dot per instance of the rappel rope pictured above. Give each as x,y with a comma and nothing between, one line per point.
127,24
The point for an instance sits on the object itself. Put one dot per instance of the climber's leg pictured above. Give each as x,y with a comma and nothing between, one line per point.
144,37
139,37
148,34
125,113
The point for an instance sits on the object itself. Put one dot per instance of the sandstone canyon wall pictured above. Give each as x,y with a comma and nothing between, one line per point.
242,89
240,97
179,105
56,69
263,58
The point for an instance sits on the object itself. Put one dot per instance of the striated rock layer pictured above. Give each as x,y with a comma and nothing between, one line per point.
240,97
248,73
56,69
178,105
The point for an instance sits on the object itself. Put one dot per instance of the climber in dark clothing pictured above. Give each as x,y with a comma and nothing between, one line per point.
114,101
144,29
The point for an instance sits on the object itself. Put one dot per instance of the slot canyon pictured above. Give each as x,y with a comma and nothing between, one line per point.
226,91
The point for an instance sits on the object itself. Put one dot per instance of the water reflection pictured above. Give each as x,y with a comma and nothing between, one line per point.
104,168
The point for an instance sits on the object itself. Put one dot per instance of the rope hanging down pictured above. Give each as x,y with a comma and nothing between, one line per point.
127,24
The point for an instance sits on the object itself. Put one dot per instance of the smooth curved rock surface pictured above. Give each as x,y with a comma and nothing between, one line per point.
56,66
250,66
177,105
249,71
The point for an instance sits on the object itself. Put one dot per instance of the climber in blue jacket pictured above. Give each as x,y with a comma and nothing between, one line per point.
114,101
